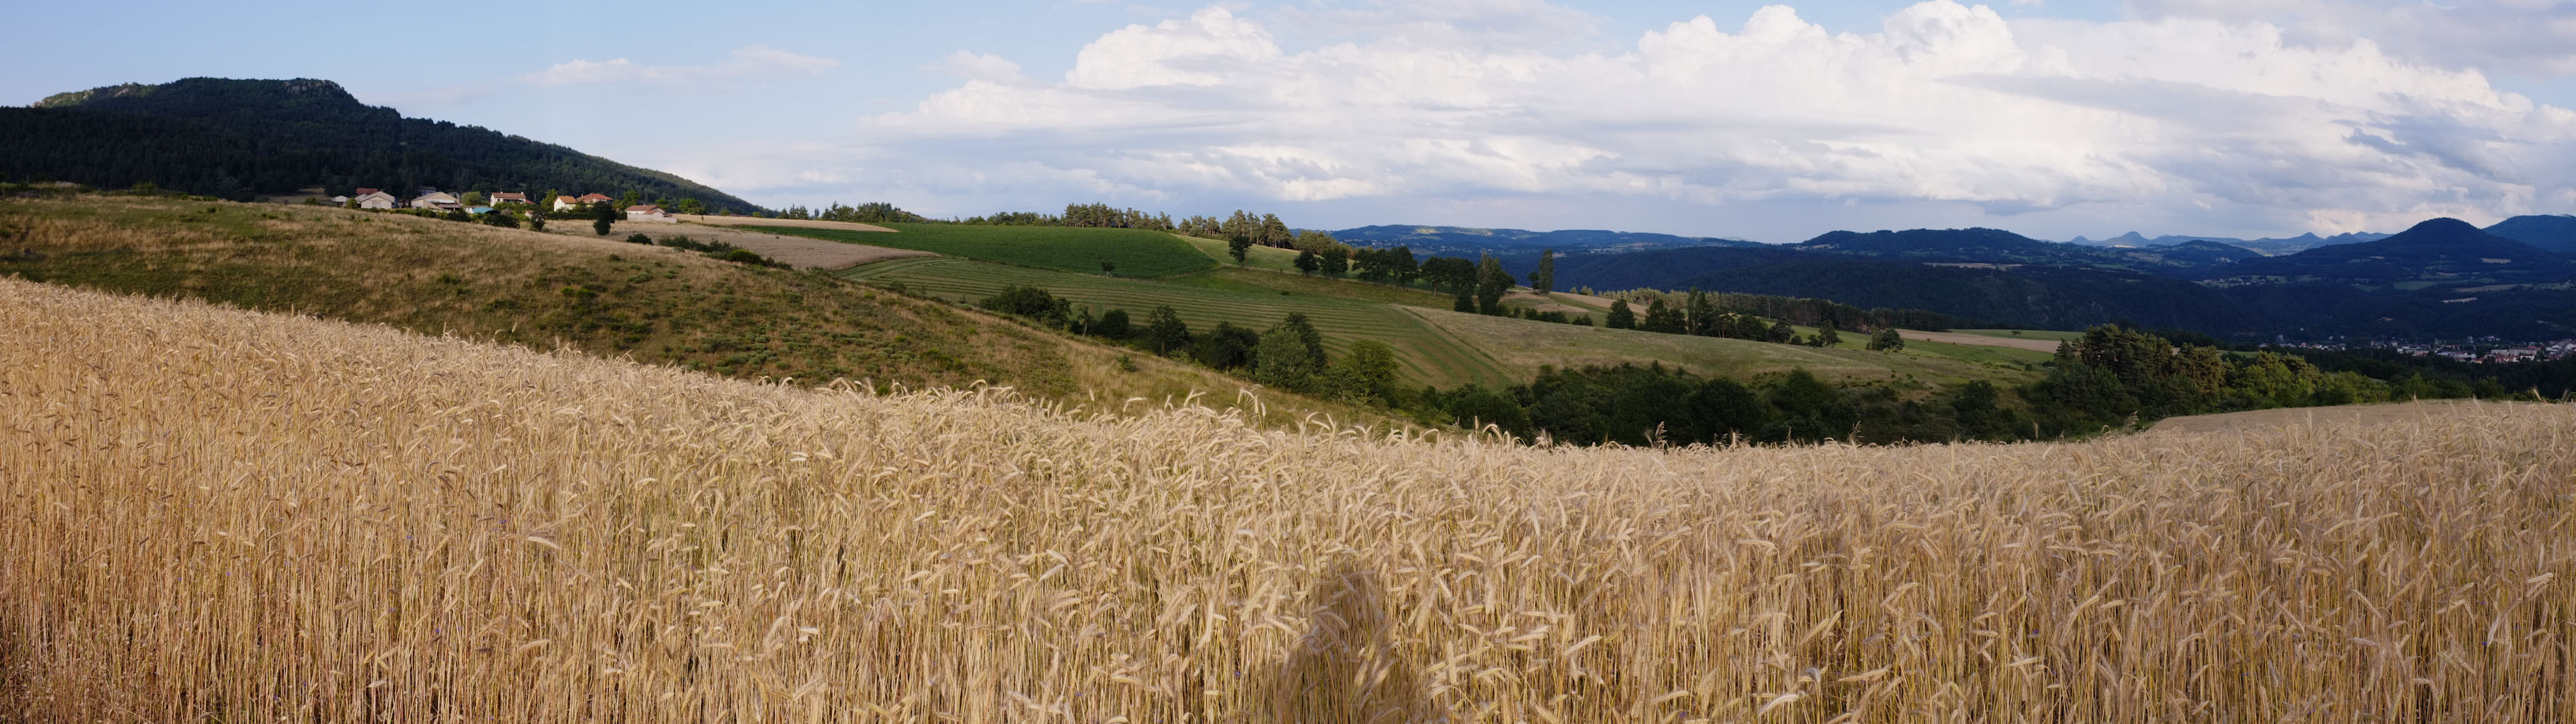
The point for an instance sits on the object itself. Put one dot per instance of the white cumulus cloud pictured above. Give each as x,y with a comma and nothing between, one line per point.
2162,120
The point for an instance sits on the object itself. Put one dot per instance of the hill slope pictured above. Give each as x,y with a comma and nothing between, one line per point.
2553,233
652,303
2442,278
2037,296
2436,252
211,511
235,138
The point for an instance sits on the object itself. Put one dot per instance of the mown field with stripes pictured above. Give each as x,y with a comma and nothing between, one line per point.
1429,354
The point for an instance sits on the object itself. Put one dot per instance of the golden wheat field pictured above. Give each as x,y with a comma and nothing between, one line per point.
212,515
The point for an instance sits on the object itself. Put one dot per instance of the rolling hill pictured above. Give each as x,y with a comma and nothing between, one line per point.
2442,278
2554,233
239,138
2439,252
580,292
1433,345
2024,295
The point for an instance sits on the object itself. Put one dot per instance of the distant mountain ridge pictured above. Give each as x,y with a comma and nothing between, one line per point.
1467,241
2554,232
2267,247
239,138
2442,278
2438,252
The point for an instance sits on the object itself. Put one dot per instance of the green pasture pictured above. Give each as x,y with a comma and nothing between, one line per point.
1429,354
1258,257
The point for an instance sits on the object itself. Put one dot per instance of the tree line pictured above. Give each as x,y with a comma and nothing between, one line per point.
2113,377
1289,355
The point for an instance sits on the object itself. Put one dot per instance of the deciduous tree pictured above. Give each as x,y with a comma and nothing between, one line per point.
1544,280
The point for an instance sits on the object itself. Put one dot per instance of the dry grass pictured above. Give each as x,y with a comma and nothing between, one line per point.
800,252
219,516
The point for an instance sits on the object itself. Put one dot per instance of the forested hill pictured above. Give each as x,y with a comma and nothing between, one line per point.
2554,233
2034,295
239,138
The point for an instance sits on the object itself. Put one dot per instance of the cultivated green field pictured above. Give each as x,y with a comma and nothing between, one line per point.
1136,252
1429,355
1234,278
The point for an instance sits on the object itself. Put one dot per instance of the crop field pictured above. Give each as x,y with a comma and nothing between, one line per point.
1523,346
1134,252
218,515
1428,355
1264,282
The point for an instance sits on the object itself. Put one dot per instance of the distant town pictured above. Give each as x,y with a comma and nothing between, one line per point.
2475,350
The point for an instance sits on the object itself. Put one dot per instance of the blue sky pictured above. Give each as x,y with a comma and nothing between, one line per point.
1770,122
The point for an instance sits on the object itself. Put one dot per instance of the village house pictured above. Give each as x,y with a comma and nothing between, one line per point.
649,212
374,199
566,203
439,200
504,197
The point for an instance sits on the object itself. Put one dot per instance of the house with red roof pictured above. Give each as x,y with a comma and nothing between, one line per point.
567,203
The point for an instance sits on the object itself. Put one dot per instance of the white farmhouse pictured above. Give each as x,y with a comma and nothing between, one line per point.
440,200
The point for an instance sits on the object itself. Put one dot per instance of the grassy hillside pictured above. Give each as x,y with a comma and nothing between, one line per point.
1428,355
1436,346
1135,252
221,516
1258,257
596,295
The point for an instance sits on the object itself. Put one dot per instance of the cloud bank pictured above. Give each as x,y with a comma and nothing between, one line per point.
2187,118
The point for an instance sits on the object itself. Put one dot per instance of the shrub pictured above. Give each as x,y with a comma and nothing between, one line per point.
1030,302
1114,324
